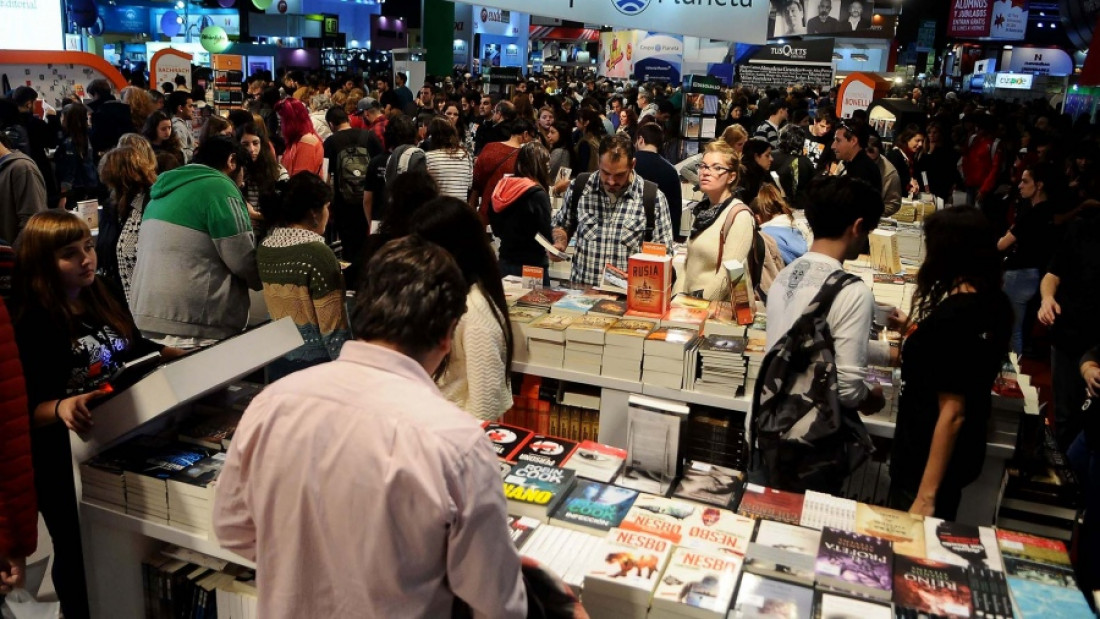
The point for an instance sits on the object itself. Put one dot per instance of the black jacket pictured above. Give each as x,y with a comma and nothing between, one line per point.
110,119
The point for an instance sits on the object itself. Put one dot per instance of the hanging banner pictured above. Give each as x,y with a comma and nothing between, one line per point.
658,57
1008,20
166,64
853,18
727,20
858,91
799,62
1039,61
969,19
505,23
616,53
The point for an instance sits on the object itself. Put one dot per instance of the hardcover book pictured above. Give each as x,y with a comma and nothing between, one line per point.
709,483
784,551
593,507
507,440
854,563
961,544
696,579
649,283
764,598
546,450
1032,547
535,490
629,568
931,587
905,530
1034,600
595,461
541,297
771,504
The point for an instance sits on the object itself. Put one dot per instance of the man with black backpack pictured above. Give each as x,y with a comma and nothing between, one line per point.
611,213
349,152
804,421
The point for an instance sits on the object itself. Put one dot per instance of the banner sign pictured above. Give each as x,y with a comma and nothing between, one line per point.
727,20
488,20
1008,20
1014,81
1039,61
850,18
969,19
798,62
658,57
166,64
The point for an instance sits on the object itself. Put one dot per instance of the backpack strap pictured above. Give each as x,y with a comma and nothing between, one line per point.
576,190
649,202
823,300
727,225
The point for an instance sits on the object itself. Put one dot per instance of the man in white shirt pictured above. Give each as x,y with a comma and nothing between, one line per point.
356,487
842,213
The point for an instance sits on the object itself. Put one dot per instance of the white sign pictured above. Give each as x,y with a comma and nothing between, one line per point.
1015,81
745,21
857,96
989,65
31,24
501,22
166,64
1040,61
1008,21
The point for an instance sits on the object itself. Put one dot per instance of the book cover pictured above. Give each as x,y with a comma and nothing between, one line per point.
573,304
649,283
905,530
686,300
629,332
989,593
765,598
589,329
721,530
507,440
521,528
541,297
669,341
546,450
595,461
524,315
685,317
629,567
834,606
609,307
536,490
167,460
959,544
654,515
931,587
1035,600
210,431
855,563
770,504
697,579
1057,575
201,473
594,507
709,483
821,510
722,345
1032,547
784,551
550,326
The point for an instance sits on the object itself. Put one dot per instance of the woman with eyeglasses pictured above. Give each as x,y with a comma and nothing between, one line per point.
711,241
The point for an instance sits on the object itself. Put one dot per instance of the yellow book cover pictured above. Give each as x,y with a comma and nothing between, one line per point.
905,530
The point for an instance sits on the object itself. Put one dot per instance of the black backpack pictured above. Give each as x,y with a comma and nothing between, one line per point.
649,202
352,167
806,439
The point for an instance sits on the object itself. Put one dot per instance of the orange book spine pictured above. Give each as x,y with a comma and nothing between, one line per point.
543,418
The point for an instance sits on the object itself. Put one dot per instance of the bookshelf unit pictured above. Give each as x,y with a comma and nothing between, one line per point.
115,543
699,114
228,84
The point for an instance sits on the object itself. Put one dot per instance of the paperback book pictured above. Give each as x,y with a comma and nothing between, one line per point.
628,570
507,440
931,587
596,461
820,510
1032,547
905,530
770,504
989,593
611,308
961,544
546,450
855,564
1035,600
594,507
709,484
521,528
1057,575
654,515
535,490
833,606
696,584
542,298
784,551
765,598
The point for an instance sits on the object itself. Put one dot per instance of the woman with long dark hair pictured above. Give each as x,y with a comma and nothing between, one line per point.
261,171
628,122
756,157
521,209
304,150
476,377
944,409
904,157
937,160
158,130
127,174
447,161
588,147
76,173
73,334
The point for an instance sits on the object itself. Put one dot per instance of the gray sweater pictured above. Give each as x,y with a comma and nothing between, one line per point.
22,194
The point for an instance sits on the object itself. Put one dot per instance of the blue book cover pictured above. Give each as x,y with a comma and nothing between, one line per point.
1035,600
592,506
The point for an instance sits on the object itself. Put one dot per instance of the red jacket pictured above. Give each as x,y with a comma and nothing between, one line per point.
18,506
980,163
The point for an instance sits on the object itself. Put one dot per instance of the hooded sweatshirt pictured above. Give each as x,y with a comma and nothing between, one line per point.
22,194
520,209
196,259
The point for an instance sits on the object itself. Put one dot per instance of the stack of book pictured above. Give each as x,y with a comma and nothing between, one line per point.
721,320
623,349
696,584
566,552
754,361
147,478
884,378
584,343
686,313
759,597
191,496
910,243
784,552
820,510
574,305
723,365
923,587
717,436
884,251
183,583
610,308
535,490
597,462
896,291
521,317
541,299
620,584
663,363
103,481
1040,576
771,504
546,340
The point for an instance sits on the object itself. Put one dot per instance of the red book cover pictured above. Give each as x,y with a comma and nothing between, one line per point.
507,440
649,283
771,504
547,450
927,586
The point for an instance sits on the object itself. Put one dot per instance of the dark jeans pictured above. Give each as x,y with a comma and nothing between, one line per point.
56,490
514,268
948,499
1086,464
1069,394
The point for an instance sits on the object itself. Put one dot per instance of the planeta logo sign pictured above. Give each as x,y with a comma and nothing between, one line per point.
631,7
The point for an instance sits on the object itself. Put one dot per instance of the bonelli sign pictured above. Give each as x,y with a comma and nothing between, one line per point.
745,21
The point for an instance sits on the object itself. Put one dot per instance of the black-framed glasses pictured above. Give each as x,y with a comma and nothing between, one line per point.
714,168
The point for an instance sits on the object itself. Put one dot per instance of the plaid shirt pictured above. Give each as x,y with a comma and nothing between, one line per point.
610,233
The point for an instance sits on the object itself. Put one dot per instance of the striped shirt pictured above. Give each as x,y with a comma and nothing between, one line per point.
453,170
768,132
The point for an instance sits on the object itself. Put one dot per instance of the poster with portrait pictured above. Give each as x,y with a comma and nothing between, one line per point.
809,17
787,18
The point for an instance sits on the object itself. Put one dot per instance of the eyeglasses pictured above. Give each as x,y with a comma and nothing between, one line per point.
719,170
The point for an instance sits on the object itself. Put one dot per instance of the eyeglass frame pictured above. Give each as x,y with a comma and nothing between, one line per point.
709,168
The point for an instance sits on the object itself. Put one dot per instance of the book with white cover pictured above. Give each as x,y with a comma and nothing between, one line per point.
821,510
630,568
962,544
836,606
696,584
783,551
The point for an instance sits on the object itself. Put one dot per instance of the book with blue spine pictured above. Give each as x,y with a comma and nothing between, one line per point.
593,507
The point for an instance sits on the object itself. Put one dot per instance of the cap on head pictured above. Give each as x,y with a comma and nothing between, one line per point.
367,103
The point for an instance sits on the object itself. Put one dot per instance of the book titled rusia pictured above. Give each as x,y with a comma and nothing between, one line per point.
855,564
771,504
649,283
905,530
931,587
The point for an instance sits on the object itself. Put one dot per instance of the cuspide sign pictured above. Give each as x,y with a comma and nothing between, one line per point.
745,21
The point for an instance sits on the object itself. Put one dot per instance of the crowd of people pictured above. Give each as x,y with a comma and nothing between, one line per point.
319,186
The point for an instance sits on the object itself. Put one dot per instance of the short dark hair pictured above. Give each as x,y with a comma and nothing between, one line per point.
167,88
216,150
336,116
853,128
651,134
834,203
411,296
775,105
181,80
618,145
400,129
295,199
519,126
400,77
23,95
176,100
296,76
506,110
98,88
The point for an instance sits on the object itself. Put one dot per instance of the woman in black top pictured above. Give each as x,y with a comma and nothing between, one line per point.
72,334
756,156
521,209
955,347
1028,244
938,161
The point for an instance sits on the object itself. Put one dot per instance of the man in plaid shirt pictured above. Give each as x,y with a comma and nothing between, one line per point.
610,221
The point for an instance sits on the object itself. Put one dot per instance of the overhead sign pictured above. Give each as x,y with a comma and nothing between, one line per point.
501,22
926,35
31,25
799,62
727,20
166,64
1014,81
853,18
1008,20
658,57
969,19
1040,61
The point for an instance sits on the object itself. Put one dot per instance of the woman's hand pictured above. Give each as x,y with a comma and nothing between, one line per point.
1048,310
923,506
1091,373
897,320
171,352
74,412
